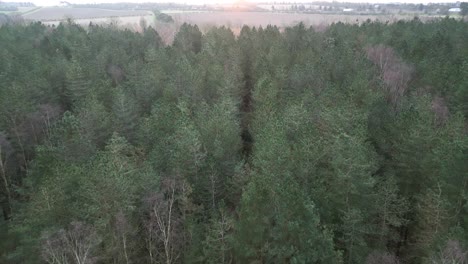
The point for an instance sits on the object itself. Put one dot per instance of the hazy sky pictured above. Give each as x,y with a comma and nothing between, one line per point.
55,2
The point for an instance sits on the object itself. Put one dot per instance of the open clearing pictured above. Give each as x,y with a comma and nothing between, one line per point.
60,13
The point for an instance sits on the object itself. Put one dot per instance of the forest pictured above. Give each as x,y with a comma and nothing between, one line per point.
295,145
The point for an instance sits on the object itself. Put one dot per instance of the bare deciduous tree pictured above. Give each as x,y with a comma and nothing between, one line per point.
53,249
123,231
216,244
5,151
163,225
451,254
395,74
74,245
378,257
116,73
167,31
440,109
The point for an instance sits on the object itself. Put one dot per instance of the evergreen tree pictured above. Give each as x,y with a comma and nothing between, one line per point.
188,39
279,145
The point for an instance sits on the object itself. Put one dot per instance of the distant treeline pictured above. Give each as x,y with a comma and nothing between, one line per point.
165,18
366,8
16,4
134,6
8,8
13,6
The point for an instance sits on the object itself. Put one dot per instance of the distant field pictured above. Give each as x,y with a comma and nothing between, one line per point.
21,10
131,22
60,13
231,19
238,19
205,20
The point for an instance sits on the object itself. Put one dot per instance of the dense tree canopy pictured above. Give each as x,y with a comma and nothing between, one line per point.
273,146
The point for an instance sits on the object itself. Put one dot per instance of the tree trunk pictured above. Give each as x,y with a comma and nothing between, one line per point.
6,206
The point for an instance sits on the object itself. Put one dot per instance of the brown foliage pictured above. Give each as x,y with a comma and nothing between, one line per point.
395,74
116,73
440,109
451,254
377,257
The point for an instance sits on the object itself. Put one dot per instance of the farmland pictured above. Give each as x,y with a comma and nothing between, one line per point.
21,10
131,19
238,19
205,20
130,22
60,13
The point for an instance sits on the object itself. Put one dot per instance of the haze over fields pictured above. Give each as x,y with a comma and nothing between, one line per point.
54,13
54,2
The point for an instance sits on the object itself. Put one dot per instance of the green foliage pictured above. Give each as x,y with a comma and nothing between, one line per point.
165,18
216,247
346,145
274,209
188,38
464,8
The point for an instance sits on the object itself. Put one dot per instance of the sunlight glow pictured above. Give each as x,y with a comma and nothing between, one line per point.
201,2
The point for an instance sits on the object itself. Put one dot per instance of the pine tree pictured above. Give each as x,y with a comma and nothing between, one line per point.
77,87
125,114
188,39
278,223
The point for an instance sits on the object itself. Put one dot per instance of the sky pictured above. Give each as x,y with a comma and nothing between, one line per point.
56,2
